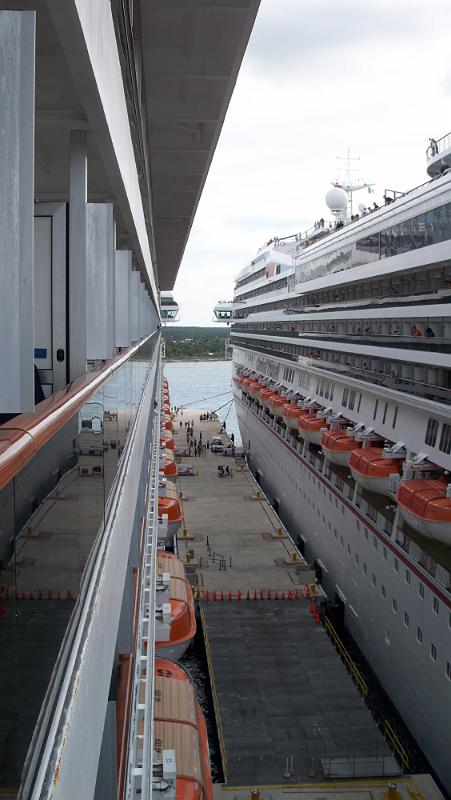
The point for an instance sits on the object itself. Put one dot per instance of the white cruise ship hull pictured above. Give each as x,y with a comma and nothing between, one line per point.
366,571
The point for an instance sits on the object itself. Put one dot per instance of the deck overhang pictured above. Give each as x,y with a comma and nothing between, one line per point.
192,54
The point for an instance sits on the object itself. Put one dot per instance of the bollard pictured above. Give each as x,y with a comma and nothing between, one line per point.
184,532
258,495
294,556
296,595
279,532
222,595
276,596
283,595
207,596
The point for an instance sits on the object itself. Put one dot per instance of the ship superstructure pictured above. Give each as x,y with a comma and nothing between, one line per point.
342,370
169,308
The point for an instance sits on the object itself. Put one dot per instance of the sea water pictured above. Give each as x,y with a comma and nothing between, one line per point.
206,385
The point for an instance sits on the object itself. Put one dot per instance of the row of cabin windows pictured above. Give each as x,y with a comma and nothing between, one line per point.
414,327
423,380
425,282
251,278
267,287
430,439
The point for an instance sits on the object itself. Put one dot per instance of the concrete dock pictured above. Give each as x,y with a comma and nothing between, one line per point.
280,690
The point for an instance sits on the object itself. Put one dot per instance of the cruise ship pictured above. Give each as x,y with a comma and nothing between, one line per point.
110,115
342,380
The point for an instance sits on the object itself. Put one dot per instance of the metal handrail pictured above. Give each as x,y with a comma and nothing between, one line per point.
351,666
23,436
438,146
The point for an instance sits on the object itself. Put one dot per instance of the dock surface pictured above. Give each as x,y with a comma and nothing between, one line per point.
281,691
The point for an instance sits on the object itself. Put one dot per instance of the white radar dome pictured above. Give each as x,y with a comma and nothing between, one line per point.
362,208
337,200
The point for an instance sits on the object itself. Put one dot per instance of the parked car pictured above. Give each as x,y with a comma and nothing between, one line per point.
216,445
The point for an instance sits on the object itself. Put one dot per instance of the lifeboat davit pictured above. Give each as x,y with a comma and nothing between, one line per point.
291,415
173,634
171,507
311,428
337,446
167,441
423,504
179,725
168,465
276,403
372,471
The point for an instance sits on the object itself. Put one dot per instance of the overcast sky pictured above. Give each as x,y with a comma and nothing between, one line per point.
319,76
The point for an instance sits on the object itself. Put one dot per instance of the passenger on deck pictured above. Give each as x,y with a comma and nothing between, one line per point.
415,331
430,332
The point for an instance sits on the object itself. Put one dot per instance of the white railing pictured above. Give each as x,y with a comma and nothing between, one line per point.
438,146
140,755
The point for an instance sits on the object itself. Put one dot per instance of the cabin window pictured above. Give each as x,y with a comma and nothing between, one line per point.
383,591
394,605
344,400
435,605
421,589
385,414
358,404
365,569
374,579
408,576
396,565
445,439
433,652
406,619
448,670
419,636
431,432
351,400
395,417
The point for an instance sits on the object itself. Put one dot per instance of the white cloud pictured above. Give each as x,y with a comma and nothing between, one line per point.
318,76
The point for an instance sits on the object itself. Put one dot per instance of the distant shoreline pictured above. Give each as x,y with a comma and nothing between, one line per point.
195,360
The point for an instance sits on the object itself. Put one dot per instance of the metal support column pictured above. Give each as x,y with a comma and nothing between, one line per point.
17,100
78,176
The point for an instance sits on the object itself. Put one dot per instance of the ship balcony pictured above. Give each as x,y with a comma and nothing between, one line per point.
438,156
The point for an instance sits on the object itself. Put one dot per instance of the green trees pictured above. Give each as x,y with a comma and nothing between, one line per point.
189,343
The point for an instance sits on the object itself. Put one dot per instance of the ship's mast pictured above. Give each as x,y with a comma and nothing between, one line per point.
348,179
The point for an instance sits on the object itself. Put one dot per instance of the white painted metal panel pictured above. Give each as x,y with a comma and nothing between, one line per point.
135,287
17,71
43,292
122,272
99,280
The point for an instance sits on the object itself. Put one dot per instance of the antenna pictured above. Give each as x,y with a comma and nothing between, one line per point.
349,182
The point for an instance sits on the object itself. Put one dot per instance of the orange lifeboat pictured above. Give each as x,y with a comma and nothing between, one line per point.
423,504
291,414
167,441
166,422
372,471
276,404
171,507
311,428
176,619
168,465
264,395
246,384
337,446
166,408
179,725
254,388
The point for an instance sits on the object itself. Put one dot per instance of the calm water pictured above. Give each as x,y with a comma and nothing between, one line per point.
206,385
